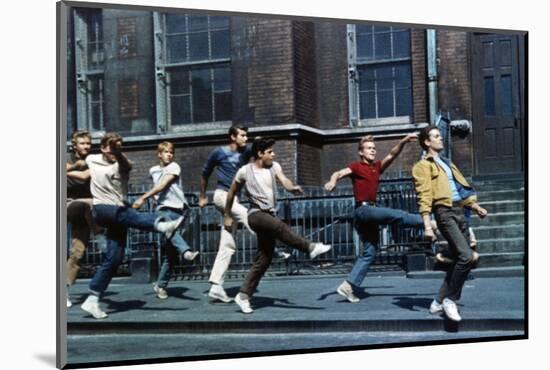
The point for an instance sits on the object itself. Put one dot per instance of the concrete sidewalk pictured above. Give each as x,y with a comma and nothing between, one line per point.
300,304
291,315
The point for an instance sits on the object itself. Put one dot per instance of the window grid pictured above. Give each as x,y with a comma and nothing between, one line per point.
187,65
374,61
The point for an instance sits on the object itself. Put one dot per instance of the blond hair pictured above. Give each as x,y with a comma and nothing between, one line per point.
165,145
80,134
365,139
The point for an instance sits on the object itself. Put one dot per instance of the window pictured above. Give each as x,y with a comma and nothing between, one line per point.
193,69
89,61
380,73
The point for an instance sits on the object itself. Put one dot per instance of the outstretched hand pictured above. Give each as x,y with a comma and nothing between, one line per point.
297,190
410,138
329,186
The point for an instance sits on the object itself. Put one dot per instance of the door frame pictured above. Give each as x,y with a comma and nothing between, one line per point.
522,95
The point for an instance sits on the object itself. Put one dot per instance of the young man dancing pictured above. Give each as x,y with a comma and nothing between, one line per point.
110,172
439,185
259,179
228,159
365,175
171,204
79,204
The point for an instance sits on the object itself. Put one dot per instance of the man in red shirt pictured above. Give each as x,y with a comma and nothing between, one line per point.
365,175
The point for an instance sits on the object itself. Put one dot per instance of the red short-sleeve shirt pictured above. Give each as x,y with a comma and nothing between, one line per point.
364,178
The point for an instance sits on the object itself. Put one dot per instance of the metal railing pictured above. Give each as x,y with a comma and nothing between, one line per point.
318,216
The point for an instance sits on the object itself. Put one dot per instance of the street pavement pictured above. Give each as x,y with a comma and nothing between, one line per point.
293,313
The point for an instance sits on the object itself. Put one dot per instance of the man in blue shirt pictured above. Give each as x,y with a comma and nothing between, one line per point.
228,159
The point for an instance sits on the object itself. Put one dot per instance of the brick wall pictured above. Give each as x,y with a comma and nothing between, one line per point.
286,153
309,164
305,83
455,89
332,78
419,75
271,75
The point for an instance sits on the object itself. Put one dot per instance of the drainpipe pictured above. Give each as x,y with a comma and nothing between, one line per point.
431,46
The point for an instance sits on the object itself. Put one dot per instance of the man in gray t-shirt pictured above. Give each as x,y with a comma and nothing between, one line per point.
109,172
259,179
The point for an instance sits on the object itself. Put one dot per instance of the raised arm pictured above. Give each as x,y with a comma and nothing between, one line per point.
335,177
124,164
396,150
163,184
287,183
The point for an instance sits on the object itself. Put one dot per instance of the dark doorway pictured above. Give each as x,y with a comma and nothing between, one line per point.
497,91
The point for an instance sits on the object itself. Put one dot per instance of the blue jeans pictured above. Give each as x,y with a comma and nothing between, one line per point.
117,220
367,219
173,249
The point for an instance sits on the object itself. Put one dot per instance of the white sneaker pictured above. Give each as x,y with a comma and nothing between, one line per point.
244,304
218,293
69,303
346,291
169,227
451,310
93,309
190,256
319,248
161,292
435,308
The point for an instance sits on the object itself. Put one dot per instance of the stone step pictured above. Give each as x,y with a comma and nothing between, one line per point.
488,196
495,186
497,219
501,245
496,245
502,206
495,232
500,259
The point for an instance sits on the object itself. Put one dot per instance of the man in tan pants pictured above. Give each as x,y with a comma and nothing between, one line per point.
227,159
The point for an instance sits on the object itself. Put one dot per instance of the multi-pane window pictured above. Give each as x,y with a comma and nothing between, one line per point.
383,71
94,22
196,60
95,102
90,56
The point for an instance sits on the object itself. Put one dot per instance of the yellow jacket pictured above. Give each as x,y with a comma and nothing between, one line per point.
432,185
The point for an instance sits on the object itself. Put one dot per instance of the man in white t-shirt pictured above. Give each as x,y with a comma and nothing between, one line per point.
171,205
259,179
109,173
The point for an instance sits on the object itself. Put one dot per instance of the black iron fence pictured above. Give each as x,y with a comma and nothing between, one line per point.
318,215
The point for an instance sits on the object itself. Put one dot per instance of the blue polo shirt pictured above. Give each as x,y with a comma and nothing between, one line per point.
227,162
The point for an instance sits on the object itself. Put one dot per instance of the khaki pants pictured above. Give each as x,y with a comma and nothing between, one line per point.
79,215
227,245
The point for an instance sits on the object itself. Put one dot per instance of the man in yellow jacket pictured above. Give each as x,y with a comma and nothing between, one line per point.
443,190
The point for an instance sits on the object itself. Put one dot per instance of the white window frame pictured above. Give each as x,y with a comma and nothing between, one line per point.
83,78
162,79
354,89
